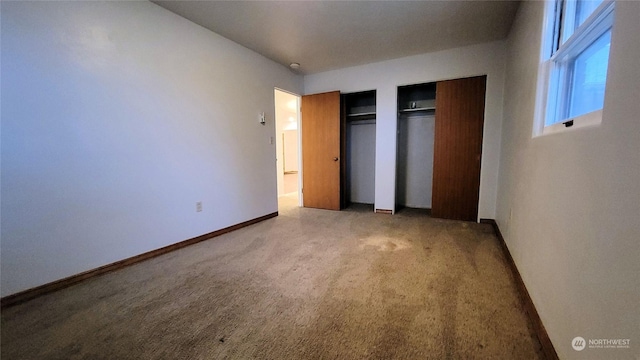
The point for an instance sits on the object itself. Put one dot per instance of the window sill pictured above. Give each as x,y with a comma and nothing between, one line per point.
591,119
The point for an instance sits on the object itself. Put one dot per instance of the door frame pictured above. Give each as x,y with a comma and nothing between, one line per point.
299,141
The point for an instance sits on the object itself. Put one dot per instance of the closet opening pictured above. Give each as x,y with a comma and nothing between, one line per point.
359,122
415,147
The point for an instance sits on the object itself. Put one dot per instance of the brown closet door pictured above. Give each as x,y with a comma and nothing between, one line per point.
321,150
458,148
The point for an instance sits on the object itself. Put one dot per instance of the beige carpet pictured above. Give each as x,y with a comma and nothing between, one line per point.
309,284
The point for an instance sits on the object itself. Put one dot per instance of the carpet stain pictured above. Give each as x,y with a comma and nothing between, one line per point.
383,243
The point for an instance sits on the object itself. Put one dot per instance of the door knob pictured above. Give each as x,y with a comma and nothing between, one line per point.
335,159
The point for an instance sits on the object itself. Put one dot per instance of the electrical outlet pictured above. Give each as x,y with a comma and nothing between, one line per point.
199,206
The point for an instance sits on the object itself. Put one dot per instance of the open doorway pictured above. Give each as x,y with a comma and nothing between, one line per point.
288,160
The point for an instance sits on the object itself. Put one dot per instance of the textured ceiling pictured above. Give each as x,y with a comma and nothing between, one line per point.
326,35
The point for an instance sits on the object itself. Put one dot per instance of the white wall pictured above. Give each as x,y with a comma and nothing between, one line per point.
116,118
361,163
385,77
569,204
290,144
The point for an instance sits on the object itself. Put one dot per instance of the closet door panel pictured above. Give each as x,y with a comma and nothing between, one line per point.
458,148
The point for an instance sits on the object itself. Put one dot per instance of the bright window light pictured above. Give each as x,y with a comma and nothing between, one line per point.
584,9
589,70
575,57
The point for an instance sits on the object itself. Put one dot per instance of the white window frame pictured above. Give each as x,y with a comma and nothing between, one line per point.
554,72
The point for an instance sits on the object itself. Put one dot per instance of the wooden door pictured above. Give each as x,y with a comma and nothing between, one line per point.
458,148
321,155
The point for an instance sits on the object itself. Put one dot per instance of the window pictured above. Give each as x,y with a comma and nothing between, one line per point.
575,58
